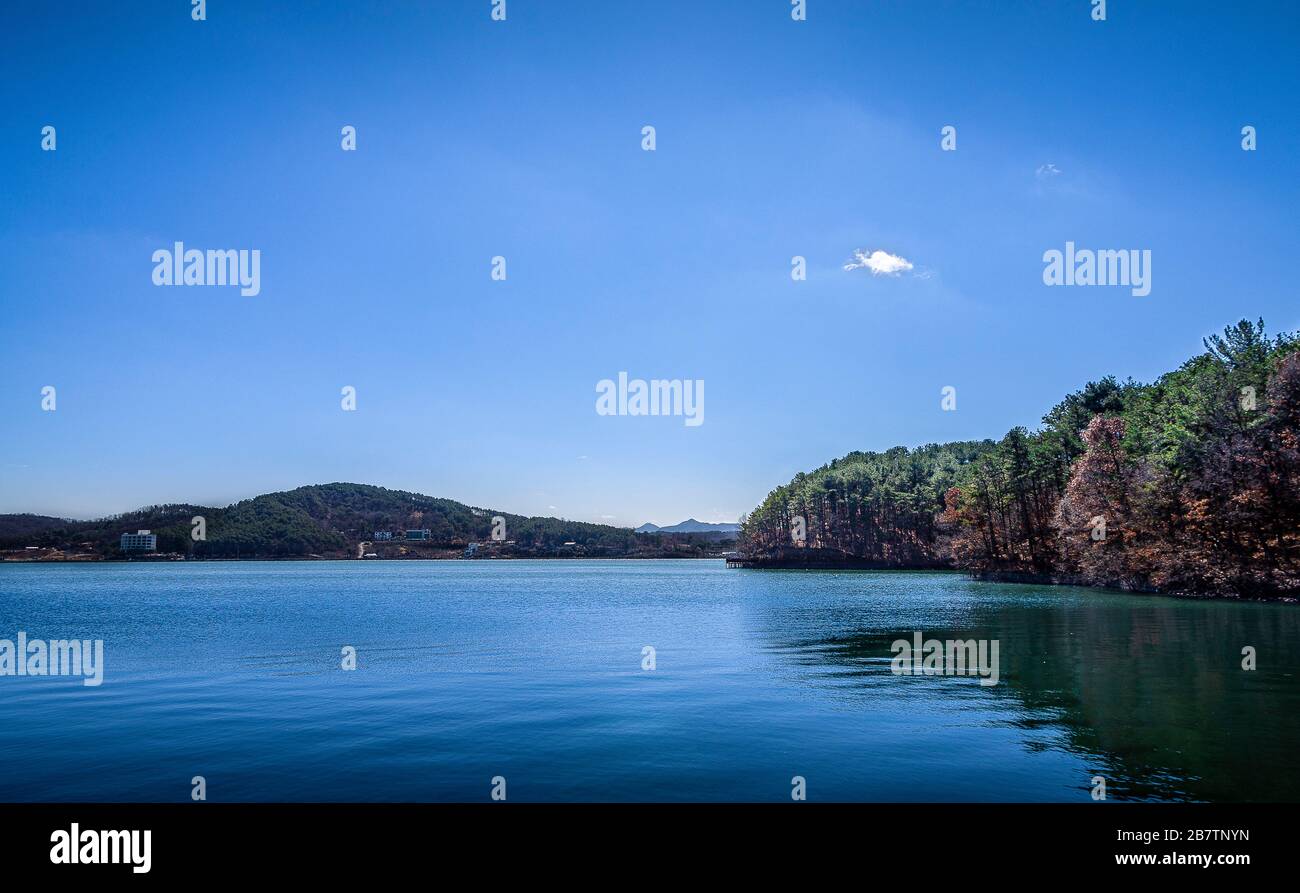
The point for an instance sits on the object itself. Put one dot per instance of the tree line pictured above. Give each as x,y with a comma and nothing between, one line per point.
1188,484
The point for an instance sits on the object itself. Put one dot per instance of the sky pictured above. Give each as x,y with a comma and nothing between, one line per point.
523,139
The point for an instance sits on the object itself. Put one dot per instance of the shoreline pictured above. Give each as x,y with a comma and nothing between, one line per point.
1017,578
732,563
320,558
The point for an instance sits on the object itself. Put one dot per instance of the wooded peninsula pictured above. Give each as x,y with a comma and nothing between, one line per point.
1187,485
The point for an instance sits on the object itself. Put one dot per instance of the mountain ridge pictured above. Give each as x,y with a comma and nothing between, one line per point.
690,525
337,520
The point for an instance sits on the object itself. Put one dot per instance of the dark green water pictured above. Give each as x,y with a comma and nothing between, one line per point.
533,671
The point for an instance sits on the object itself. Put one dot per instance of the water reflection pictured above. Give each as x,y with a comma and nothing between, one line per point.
1149,692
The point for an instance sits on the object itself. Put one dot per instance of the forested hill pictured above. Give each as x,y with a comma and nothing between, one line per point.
881,508
1188,484
331,520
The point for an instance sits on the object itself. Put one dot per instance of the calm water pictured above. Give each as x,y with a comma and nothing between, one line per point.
532,671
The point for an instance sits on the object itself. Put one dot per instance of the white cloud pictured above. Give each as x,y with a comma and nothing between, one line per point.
1047,170
878,262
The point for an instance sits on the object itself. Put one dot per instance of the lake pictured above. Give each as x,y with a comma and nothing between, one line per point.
533,671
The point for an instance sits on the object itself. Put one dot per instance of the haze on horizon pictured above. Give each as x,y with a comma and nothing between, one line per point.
523,139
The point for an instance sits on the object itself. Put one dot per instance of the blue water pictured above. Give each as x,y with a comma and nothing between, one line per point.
532,671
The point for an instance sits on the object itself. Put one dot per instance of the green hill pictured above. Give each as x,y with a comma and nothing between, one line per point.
22,527
332,520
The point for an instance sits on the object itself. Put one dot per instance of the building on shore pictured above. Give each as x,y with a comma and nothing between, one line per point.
418,535
140,541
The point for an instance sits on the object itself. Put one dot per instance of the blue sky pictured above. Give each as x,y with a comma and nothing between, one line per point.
522,138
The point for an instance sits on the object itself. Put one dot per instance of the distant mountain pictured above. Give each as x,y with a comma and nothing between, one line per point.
333,521
690,525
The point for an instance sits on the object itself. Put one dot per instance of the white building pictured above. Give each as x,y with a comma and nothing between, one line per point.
140,541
